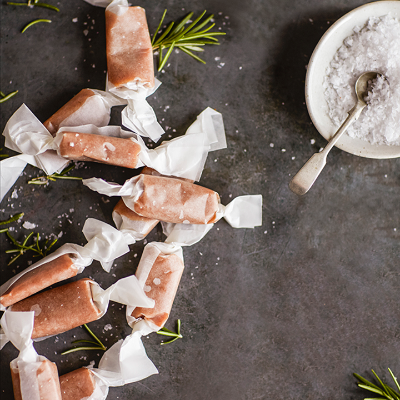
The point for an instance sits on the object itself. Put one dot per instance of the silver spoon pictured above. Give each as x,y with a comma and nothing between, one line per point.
305,178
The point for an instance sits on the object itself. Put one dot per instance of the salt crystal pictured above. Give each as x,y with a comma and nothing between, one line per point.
74,20
28,225
107,327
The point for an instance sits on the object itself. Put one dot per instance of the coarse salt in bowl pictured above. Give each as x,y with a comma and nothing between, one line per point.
317,71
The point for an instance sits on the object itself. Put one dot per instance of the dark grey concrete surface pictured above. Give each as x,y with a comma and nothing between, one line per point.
288,310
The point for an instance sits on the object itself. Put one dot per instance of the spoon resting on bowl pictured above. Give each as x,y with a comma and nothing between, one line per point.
305,178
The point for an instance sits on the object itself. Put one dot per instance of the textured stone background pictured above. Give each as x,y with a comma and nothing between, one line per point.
285,311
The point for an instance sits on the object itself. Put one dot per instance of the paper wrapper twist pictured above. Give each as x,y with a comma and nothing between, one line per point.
34,377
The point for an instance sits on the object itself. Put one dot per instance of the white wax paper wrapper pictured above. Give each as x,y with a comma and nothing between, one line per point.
138,115
105,243
125,291
211,123
125,362
17,328
241,212
95,110
149,256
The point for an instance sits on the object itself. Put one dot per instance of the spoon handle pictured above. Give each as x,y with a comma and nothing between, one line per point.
305,178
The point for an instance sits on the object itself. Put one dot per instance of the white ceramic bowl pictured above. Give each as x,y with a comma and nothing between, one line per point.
316,71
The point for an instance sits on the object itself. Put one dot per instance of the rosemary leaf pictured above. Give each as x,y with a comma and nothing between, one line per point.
158,27
45,5
7,97
15,217
394,378
36,21
35,4
161,66
81,348
170,341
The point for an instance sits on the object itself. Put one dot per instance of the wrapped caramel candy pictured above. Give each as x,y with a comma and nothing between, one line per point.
176,201
34,377
183,156
159,273
65,307
129,222
105,244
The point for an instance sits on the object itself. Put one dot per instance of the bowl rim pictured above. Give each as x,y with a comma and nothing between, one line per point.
350,145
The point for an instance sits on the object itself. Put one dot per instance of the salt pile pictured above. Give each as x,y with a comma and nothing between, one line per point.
373,47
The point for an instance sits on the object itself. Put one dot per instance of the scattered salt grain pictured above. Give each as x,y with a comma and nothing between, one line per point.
86,32
74,20
28,225
107,327
312,141
14,194
373,47
271,145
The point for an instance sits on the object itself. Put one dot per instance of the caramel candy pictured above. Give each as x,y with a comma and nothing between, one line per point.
46,382
103,149
177,201
55,121
128,48
77,385
39,278
141,225
60,309
161,285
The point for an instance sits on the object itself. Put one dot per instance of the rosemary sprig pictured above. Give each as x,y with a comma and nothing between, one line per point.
23,247
98,344
385,391
5,97
43,180
167,332
187,39
35,3
36,21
